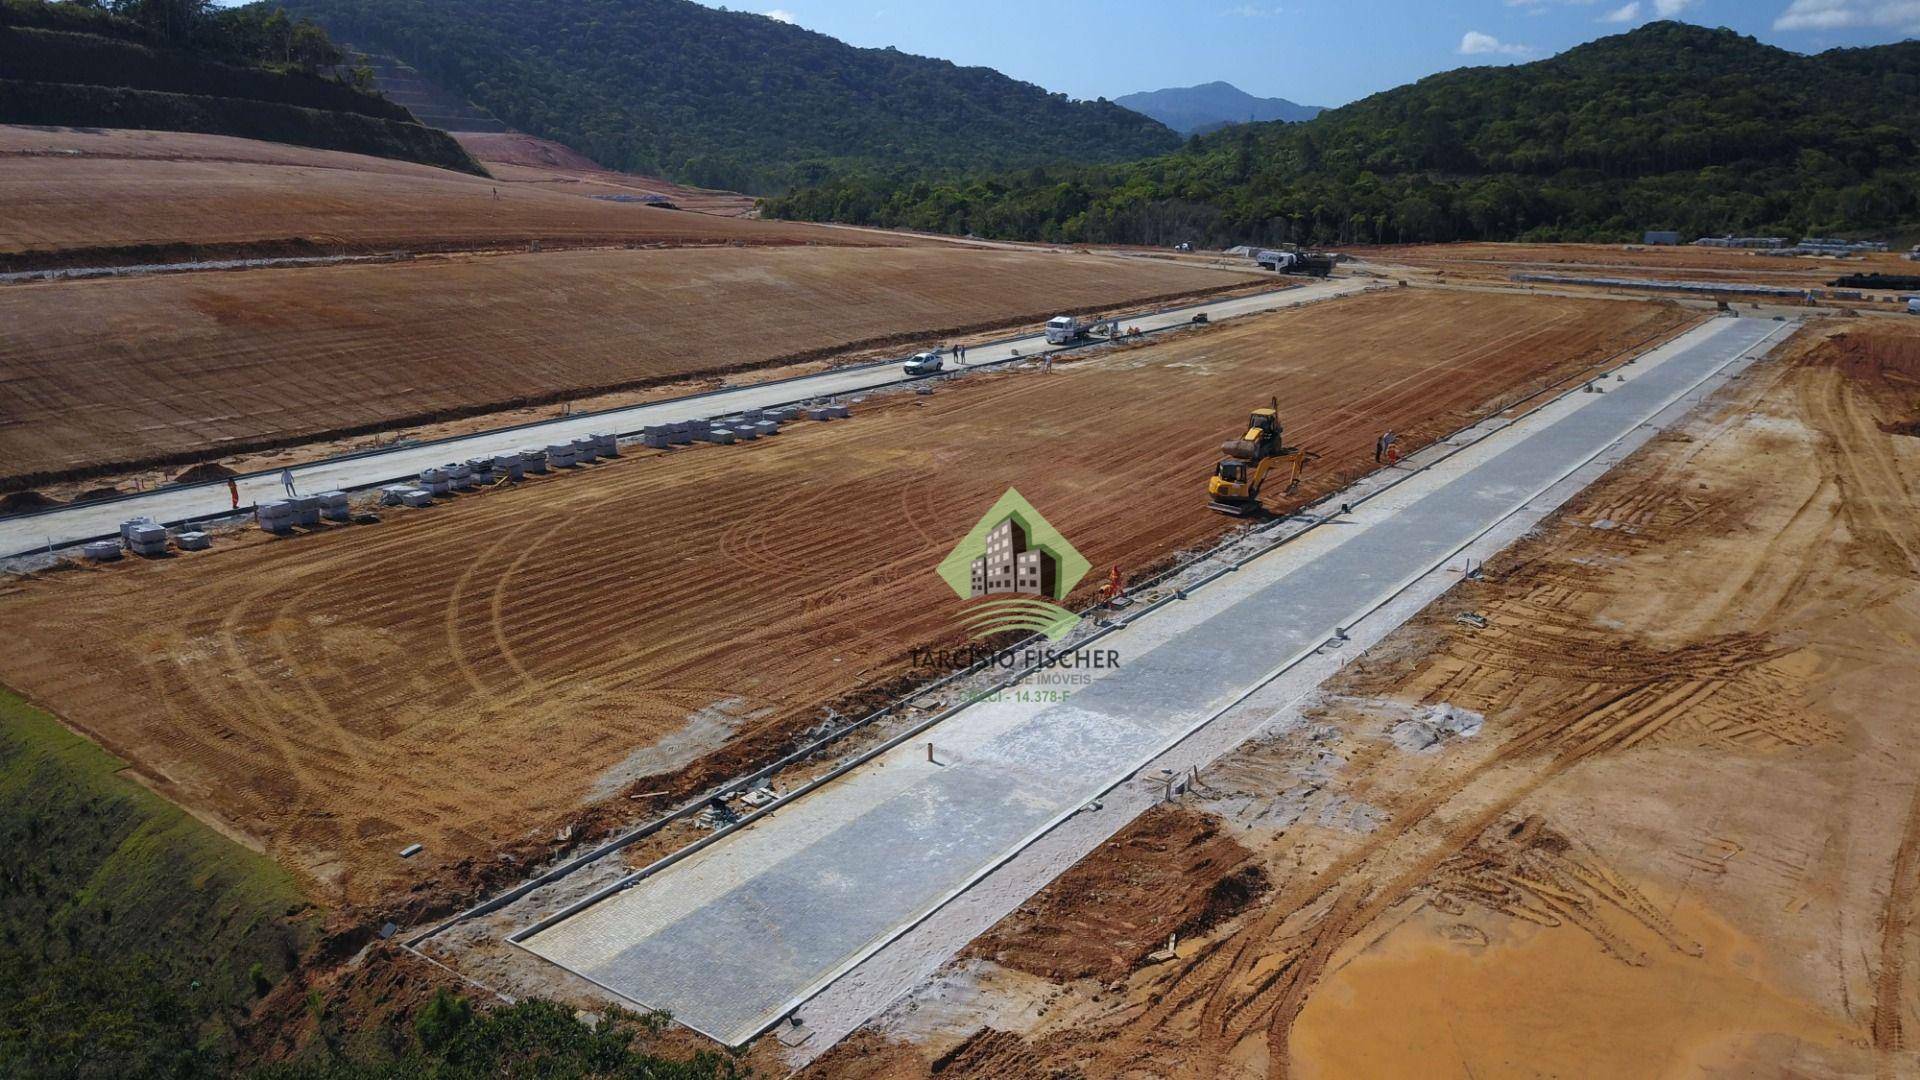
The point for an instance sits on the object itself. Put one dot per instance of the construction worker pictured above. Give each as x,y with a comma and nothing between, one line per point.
286,481
1379,447
233,489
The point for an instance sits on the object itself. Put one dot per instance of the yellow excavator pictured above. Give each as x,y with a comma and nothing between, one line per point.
1250,459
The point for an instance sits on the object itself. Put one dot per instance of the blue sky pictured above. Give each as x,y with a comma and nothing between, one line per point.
1318,52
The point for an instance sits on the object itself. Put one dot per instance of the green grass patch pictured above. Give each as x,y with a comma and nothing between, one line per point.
132,937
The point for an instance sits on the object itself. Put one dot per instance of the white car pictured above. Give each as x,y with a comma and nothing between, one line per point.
925,363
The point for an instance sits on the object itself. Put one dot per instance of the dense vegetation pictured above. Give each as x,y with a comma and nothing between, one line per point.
728,98
1668,127
177,65
451,1041
132,937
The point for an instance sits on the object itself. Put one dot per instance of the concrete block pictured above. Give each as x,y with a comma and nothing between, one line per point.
721,436
333,506
765,428
306,510
534,461
193,540
679,434
127,527
146,533
585,449
560,455
656,437
277,516
510,466
392,493
609,445
102,551
745,433
417,497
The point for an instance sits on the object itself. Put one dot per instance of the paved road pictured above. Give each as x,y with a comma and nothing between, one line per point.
737,935
72,525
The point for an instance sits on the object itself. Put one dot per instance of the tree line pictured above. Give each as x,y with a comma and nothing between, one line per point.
1667,127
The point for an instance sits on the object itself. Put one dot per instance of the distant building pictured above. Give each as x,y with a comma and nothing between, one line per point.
1008,567
1664,239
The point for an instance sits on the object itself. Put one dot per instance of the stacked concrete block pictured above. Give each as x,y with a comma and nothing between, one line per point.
680,432
509,466
765,428
277,516
534,461
147,539
561,456
743,432
102,550
608,444
721,436
306,511
459,475
482,469
193,540
585,450
394,494
127,527
656,437
333,506
416,497
436,481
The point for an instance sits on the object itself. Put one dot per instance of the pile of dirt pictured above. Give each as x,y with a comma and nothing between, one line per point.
205,473
1171,872
21,502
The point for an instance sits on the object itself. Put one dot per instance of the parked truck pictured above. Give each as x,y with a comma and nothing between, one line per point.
1293,261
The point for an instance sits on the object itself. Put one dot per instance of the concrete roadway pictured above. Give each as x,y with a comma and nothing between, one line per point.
67,526
739,934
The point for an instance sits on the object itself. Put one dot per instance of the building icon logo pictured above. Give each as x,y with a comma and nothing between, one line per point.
1014,569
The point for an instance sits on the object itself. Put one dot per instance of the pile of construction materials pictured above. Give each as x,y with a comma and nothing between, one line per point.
145,536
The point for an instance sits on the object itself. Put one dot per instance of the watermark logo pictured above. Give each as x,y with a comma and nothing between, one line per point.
1014,568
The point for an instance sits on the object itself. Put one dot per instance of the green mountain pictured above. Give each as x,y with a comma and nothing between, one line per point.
728,98
1196,110
1670,126
252,74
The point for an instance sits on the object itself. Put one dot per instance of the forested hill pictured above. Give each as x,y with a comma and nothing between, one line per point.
728,98
1670,126
1194,110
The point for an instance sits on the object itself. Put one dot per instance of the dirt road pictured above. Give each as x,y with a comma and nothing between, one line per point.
1654,819
102,374
1497,262
460,676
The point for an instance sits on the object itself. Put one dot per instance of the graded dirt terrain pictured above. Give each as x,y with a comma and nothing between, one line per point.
518,158
77,198
1658,817
1498,262
475,673
168,369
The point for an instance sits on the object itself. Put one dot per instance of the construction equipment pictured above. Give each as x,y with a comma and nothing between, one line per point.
1068,329
1238,478
1295,261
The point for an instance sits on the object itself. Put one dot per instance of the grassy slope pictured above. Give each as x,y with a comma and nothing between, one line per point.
129,931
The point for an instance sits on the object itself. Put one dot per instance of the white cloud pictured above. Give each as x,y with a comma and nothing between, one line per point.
1475,43
1671,9
780,15
1899,15
1625,14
